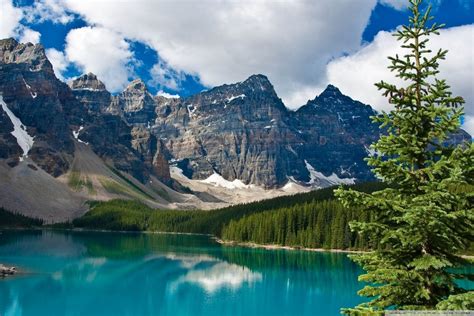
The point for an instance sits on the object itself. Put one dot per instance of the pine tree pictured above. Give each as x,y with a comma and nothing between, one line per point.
422,221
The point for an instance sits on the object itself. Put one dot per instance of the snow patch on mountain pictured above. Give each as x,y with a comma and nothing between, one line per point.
232,98
219,181
319,179
24,140
32,93
76,135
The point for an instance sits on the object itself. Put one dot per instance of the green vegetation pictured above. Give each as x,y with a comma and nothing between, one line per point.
77,182
315,224
13,220
423,223
136,216
130,183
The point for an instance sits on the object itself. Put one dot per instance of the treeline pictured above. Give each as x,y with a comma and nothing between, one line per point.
14,220
315,224
125,215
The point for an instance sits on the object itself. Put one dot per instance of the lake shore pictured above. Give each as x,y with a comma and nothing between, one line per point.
280,247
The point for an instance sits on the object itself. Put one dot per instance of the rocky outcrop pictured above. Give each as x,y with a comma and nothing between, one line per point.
336,133
26,54
243,131
240,131
40,101
161,166
57,115
6,271
135,104
91,92
131,147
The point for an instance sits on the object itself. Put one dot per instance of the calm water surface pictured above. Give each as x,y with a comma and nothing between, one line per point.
93,273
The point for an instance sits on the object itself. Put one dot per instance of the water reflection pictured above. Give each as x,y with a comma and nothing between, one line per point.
134,274
218,276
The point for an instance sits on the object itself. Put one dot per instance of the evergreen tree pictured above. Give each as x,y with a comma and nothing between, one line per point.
422,221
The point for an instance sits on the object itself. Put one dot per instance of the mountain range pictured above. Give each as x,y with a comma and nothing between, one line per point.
63,145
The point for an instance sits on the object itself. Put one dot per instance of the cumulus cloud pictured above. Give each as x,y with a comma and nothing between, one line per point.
10,18
10,25
100,51
167,95
226,41
47,10
27,35
163,76
356,74
396,4
59,62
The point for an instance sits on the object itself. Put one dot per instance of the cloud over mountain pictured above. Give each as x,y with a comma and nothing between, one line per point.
356,74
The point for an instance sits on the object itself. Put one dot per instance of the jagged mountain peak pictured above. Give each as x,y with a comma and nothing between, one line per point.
8,43
331,91
258,82
137,85
33,55
87,81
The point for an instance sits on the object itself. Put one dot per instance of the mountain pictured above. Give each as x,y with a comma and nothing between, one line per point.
62,145
243,131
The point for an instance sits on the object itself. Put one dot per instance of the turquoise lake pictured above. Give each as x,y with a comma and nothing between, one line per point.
95,273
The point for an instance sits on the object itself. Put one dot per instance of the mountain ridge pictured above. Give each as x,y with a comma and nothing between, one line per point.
175,152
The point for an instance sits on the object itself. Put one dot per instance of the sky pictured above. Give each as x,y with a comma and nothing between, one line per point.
182,47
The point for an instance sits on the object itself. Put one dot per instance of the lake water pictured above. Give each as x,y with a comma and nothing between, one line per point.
94,273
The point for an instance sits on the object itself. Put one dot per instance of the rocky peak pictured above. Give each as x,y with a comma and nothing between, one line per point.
87,81
330,91
135,103
332,100
258,84
136,86
24,53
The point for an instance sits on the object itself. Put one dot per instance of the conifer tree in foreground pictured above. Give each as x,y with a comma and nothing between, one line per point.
425,218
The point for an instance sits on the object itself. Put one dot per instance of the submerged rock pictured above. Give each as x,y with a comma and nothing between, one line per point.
5,271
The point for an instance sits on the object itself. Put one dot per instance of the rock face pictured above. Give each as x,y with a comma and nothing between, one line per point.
243,131
58,116
135,104
336,133
240,131
130,148
35,96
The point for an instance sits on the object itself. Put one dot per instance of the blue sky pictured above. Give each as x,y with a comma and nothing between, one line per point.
181,47
384,17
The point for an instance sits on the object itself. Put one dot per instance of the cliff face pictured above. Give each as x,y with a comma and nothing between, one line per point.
239,131
58,116
40,102
337,132
243,131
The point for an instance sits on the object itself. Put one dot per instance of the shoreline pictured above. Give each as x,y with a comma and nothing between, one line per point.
229,243
232,243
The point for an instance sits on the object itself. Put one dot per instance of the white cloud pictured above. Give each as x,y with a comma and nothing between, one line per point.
10,26
163,76
396,4
10,17
58,60
226,41
100,51
167,95
356,74
47,10
26,35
